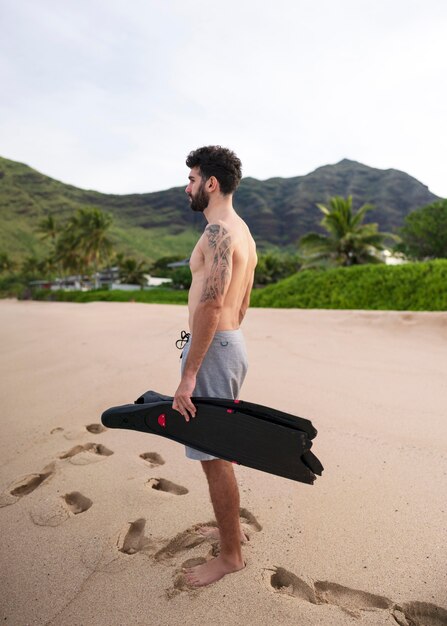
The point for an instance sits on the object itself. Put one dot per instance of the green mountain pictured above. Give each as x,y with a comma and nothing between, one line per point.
278,210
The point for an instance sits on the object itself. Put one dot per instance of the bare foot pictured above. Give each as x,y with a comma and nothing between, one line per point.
211,571
212,532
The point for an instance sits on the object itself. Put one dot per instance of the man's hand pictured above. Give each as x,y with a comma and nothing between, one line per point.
182,399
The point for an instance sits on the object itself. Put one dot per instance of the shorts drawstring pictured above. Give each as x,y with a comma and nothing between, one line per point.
181,343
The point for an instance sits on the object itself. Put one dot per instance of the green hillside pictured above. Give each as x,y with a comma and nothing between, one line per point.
278,210
139,228
408,287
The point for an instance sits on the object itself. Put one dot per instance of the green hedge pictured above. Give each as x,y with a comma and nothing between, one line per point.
408,287
150,296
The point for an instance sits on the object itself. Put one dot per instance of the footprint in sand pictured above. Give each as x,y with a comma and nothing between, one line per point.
95,429
249,524
111,555
192,537
73,435
322,592
101,553
288,583
26,485
162,484
54,510
76,502
153,458
58,429
353,601
186,540
86,453
132,539
419,614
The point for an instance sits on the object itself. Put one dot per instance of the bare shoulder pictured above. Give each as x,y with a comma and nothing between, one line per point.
246,237
228,237
216,235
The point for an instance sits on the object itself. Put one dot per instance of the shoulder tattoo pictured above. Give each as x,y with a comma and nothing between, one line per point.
219,241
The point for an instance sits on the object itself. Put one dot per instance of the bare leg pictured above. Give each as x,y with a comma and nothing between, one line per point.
224,494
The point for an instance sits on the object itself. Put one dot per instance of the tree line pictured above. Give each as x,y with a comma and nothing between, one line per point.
348,241
83,245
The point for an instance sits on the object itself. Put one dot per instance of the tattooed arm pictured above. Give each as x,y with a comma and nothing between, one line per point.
217,253
217,264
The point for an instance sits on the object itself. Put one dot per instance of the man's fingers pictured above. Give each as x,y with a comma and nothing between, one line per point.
191,408
185,403
185,407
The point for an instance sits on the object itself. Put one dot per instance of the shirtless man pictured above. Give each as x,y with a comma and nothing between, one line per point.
214,360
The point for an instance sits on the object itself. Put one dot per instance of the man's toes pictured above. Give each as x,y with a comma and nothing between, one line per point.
192,580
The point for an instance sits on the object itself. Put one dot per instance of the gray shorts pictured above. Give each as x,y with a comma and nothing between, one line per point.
221,374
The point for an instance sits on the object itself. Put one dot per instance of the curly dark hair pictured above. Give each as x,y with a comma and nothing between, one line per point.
219,162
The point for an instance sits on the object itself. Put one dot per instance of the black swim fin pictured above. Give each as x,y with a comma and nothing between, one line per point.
242,432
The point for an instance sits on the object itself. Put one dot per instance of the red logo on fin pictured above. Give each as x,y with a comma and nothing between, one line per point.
162,420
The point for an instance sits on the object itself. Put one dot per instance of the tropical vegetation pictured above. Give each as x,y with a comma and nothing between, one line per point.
273,266
349,249
407,287
150,225
6,263
424,234
148,296
84,244
131,271
348,240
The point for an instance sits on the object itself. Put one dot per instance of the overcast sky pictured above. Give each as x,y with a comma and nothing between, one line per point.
112,94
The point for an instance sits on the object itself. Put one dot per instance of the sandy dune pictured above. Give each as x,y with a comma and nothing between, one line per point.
96,525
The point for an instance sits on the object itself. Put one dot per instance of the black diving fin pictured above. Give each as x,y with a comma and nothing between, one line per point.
242,432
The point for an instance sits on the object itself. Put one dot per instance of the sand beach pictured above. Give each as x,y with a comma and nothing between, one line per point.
96,525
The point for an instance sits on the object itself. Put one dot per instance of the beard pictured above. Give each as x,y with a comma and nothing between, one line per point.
200,201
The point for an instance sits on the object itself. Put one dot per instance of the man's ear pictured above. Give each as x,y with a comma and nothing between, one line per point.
212,184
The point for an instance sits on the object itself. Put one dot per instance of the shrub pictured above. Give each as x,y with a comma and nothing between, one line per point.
150,296
409,287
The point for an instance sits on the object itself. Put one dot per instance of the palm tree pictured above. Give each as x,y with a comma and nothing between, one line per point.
132,271
349,241
32,267
89,237
49,228
66,253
